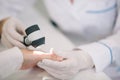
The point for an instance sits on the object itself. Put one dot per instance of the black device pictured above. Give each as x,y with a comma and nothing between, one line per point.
31,32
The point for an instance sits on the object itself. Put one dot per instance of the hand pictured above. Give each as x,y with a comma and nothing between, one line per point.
31,58
12,33
73,62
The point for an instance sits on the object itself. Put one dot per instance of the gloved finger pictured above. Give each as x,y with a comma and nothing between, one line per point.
13,32
12,40
56,73
57,54
55,57
48,69
16,35
57,65
51,71
5,42
15,42
20,27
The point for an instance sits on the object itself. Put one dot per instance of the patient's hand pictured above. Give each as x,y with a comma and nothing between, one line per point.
31,58
51,57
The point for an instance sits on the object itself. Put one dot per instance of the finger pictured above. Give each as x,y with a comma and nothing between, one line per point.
14,42
21,26
52,51
44,64
48,69
5,42
60,53
56,73
14,33
52,72
55,64
55,57
18,24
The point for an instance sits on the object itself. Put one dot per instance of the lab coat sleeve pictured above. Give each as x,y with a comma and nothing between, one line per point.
10,61
104,52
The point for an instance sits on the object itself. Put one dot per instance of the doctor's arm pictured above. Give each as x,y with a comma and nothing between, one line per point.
104,52
97,55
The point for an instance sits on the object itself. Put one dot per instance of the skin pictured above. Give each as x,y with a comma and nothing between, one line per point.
31,59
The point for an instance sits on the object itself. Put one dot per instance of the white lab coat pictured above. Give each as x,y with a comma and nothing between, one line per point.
69,18
84,16
94,21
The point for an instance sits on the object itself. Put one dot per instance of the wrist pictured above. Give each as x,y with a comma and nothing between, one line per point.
86,58
25,51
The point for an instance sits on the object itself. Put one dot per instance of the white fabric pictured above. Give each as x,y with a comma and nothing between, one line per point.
90,75
84,17
102,57
113,42
10,61
99,53
67,69
117,27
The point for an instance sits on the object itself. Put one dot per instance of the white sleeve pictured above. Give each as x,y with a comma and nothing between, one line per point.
117,27
10,61
104,52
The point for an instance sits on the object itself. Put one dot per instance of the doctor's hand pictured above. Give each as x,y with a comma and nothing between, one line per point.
73,63
12,31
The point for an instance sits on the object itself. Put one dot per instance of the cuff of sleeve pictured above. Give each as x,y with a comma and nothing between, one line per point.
100,55
17,57
12,60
